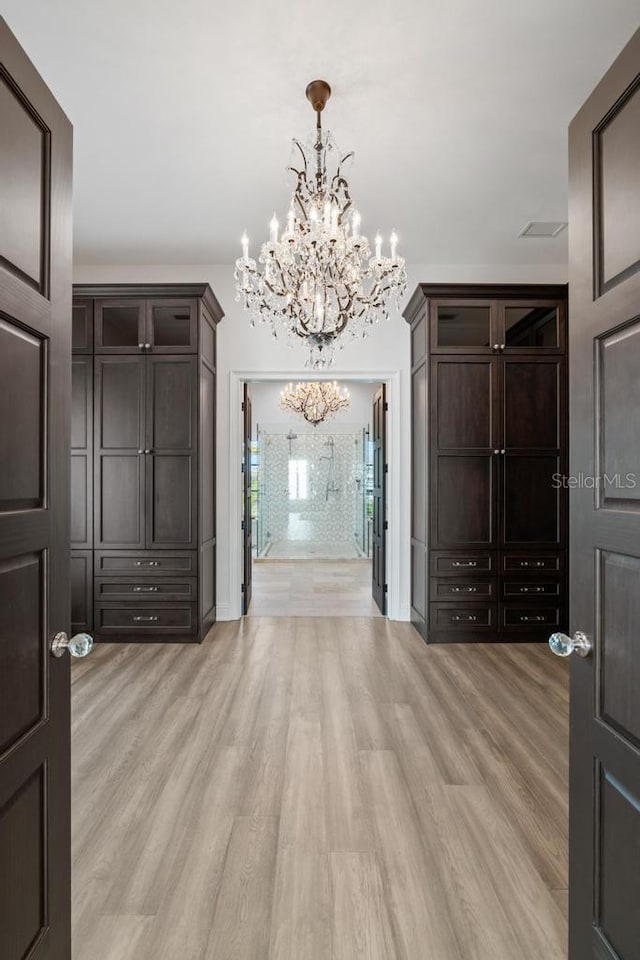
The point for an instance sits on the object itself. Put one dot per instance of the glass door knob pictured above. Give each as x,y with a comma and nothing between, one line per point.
563,645
78,646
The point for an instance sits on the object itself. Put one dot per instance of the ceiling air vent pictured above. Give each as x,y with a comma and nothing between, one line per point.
543,229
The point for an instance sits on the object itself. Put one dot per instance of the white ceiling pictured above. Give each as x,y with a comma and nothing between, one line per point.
183,114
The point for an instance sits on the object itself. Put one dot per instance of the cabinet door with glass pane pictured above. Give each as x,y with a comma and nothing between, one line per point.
119,326
464,326
171,326
532,326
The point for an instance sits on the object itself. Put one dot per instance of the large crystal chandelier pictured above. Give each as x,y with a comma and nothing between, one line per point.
318,279
315,401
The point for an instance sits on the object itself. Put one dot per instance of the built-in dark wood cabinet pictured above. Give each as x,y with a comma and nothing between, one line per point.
143,461
489,448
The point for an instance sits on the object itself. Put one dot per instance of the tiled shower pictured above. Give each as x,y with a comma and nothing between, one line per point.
312,495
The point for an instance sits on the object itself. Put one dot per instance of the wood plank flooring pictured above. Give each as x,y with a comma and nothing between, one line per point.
319,789
312,588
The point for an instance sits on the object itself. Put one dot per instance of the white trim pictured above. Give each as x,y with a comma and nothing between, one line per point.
236,380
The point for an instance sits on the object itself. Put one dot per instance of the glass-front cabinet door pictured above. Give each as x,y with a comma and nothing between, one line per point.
465,326
119,326
171,326
531,325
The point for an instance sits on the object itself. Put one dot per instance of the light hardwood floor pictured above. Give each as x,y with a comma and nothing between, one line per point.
312,588
319,789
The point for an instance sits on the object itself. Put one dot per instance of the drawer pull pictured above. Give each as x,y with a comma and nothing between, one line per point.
145,589
464,563
532,563
470,616
464,589
531,589
146,563
537,619
145,619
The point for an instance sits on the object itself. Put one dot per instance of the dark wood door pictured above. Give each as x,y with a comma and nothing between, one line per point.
532,451
171,431
247,526
604,360
35,390
120,458
379,525
464,451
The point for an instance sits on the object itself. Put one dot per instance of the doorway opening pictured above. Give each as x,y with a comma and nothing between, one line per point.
314,519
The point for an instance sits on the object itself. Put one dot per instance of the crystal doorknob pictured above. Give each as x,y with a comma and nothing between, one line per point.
564,646
79,646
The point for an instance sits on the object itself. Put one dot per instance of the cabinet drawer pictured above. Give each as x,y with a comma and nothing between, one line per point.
529,589
141,591
451,589
149,563
146,619
531,563
467,617
531,617
469,562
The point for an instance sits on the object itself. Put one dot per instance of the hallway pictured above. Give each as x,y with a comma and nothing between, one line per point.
315,789
312,588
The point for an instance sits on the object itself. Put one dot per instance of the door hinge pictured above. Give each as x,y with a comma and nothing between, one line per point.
242,588
386,588
386,407
242,524
242,467
242,405
386,468
386,525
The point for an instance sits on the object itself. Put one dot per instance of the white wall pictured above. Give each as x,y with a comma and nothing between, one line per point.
266,410
247,351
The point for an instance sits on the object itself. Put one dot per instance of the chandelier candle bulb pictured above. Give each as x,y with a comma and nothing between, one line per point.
356,220
245,247
273,227
378,247
394,245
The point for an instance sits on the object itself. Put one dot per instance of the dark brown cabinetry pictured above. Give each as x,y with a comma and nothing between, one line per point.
143,503
489,511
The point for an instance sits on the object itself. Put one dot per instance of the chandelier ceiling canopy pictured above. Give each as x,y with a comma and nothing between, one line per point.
315,401
317,279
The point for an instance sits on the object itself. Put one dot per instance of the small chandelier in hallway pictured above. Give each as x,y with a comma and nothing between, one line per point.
316,402
318,279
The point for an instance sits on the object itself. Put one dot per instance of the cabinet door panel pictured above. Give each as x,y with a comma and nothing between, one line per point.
82,326
82,452
172,326
536,326
463,326
464,508
119,326
81,591
532,404
464,397
532,501
120,464
171,428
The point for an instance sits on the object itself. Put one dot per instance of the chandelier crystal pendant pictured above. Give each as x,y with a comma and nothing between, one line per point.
316,402
318,280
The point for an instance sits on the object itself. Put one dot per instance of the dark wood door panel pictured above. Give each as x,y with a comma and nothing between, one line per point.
463,497
379,526
24,161
619,700
82,591
463,404
171,501
532,500
120,461
82,452
419,448
82,326
533,417
22,437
